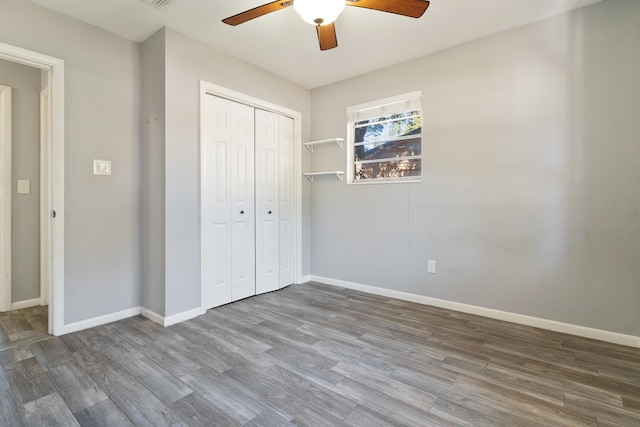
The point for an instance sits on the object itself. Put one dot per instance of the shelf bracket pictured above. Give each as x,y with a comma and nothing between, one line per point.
339,141
339,175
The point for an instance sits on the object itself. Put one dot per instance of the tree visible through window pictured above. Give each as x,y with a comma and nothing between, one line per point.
386,141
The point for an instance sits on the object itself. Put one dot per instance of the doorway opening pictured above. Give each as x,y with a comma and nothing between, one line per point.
51,188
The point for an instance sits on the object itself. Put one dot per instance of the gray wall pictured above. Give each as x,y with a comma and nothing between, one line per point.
188,62
102,121
153,178
25,208
531,175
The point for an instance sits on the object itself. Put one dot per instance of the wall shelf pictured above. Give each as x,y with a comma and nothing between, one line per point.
309,145
338,174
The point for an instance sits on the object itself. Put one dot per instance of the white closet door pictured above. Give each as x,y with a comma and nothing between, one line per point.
228,201
285,201
267,206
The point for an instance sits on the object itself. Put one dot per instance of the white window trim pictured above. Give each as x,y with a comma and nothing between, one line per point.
379,104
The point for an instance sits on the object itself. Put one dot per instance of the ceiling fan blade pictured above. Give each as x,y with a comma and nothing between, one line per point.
410,8
327,36
257,12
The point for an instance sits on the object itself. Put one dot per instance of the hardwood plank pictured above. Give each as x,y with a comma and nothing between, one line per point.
9,411
526,386
273,394
463,415
51,353
356,355
363,416
172,361
201,353
39,320
631,404
115,348
384,404
75,387
453,393
157,333
28,381
14,354
161,383
318,398
601,411
140,405
104,413
99,367
17,327
197,411
269,419
526,409
226,394
49,410
311,417
389,386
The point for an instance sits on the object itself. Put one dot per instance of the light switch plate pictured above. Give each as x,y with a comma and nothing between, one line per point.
24,186
101,167
431,266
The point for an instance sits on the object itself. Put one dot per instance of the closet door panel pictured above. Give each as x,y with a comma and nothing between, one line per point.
243,203
228,202
267,208
216,214
285,201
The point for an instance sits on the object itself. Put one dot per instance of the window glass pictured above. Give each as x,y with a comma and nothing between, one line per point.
386,141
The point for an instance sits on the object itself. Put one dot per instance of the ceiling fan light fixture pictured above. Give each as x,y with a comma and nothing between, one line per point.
319,12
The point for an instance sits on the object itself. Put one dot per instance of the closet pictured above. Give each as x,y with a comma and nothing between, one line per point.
247,201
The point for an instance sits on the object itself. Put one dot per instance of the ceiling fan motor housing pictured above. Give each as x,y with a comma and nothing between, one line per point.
319,12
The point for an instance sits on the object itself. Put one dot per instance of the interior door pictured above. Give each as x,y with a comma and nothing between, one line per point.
286,206
267,206
228,201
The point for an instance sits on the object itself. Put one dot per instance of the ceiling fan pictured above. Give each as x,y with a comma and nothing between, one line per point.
322,13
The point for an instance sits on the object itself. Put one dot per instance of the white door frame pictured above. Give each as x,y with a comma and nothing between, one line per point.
206,89
5,209
53,191
45,194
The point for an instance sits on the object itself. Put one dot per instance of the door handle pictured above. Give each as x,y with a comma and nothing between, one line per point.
241,212
269,212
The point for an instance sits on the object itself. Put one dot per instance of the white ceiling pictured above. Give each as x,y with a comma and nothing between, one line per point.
284,44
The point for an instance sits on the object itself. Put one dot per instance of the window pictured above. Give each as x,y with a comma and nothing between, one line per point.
385,140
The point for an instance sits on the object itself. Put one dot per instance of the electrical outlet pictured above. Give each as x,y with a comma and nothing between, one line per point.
24,186
431,266
102,167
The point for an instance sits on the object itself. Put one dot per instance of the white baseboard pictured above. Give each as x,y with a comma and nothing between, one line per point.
171,320
551,325
100,320
306,278
26,303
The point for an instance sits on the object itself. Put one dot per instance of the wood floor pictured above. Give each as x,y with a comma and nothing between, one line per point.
314,355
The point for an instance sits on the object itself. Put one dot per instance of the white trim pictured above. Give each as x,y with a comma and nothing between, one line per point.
152,315
55,68
5,190
376,108
100,320
45,196
385,101
306,278
171,320
26,303
536,322
212,89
